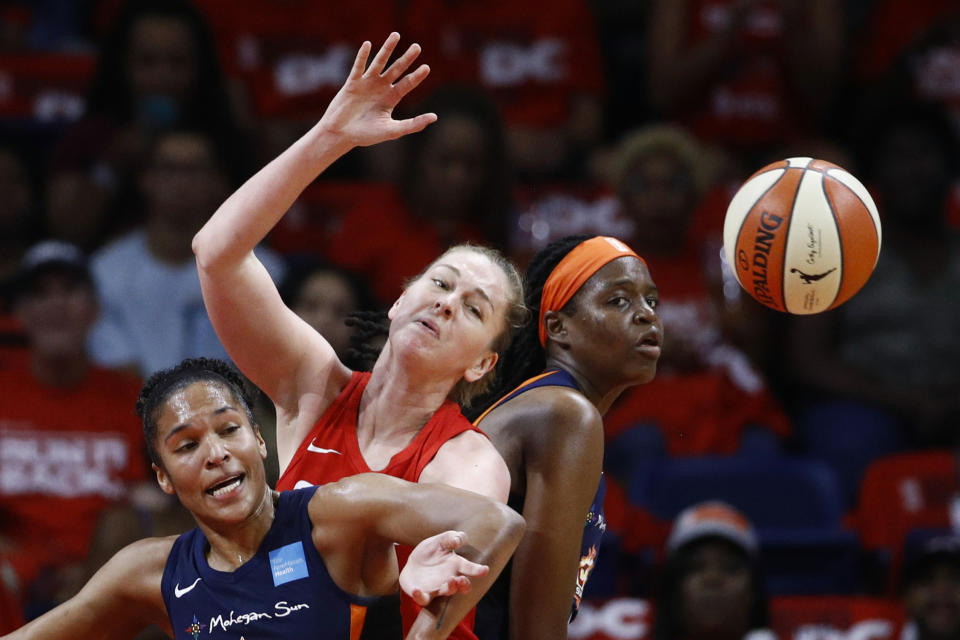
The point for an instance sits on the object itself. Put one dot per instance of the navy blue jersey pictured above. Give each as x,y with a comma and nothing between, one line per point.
492,612
283,591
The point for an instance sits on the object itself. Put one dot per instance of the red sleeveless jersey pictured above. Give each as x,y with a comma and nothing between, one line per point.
331,452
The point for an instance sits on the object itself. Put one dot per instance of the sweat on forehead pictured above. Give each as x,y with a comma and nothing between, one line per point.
163,384
575,269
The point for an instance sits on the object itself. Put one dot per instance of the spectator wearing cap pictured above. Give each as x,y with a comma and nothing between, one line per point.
711,587
931,590
69,442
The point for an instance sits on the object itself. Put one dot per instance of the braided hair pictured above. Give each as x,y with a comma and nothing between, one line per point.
370,330
525,357
163,384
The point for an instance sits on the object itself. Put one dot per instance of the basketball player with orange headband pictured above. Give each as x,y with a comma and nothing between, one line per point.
597,333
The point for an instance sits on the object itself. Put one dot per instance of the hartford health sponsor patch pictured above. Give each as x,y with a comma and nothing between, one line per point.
288,564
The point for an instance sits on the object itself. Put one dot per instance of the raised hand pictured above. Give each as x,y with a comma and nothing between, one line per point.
434,569
361,113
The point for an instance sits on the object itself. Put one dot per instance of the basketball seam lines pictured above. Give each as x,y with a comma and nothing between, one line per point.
763,171
836,223
745,217
786,240
876,220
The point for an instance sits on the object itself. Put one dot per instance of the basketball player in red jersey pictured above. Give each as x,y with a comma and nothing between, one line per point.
445,328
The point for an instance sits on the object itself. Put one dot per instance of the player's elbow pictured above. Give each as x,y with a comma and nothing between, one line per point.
497,529
201,249
511,525
210,251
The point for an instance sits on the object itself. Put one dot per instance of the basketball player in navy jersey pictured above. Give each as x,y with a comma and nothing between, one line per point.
597,333
312,562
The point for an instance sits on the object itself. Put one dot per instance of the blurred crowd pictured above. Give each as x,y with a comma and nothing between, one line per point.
829,440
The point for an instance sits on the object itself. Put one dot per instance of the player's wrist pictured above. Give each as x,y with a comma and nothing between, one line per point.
327,141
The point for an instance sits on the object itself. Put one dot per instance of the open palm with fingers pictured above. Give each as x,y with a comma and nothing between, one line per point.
362,111
435,569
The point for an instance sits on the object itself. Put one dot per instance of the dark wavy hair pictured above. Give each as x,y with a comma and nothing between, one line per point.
162,384
525,356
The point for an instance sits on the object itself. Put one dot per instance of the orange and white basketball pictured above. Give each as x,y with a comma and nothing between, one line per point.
802,235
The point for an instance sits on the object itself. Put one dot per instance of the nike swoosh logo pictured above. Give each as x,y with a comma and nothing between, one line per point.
302,484
310,447
177,591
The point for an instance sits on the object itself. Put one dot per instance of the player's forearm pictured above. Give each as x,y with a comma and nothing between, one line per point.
493,533
246,217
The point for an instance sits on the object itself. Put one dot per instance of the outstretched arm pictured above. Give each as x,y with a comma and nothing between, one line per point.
357,520
280,353
120,599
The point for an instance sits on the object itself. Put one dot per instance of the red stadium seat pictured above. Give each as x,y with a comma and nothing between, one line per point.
836,617
901,493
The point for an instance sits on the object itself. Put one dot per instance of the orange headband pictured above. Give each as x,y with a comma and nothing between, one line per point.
568,276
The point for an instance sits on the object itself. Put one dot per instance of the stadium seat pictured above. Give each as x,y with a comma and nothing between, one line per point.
848,437
794,504
905,491
901,493
836,617
781,492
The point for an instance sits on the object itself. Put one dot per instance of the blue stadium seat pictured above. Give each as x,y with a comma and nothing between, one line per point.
848,436
782,491
795,504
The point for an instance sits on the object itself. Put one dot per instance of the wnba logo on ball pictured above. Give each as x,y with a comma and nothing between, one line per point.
805,233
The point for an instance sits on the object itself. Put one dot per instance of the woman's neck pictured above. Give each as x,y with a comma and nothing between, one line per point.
396,402
601,395
233,544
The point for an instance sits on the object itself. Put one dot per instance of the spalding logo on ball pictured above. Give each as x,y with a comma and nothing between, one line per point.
802,235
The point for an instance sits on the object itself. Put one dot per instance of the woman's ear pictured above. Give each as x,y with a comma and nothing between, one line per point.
481,367
553,323
261,443
396,303
163,480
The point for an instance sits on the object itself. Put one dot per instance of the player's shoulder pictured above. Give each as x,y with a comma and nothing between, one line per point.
549,409
357,489
341,505
137,569
148,552
470,443
470,461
